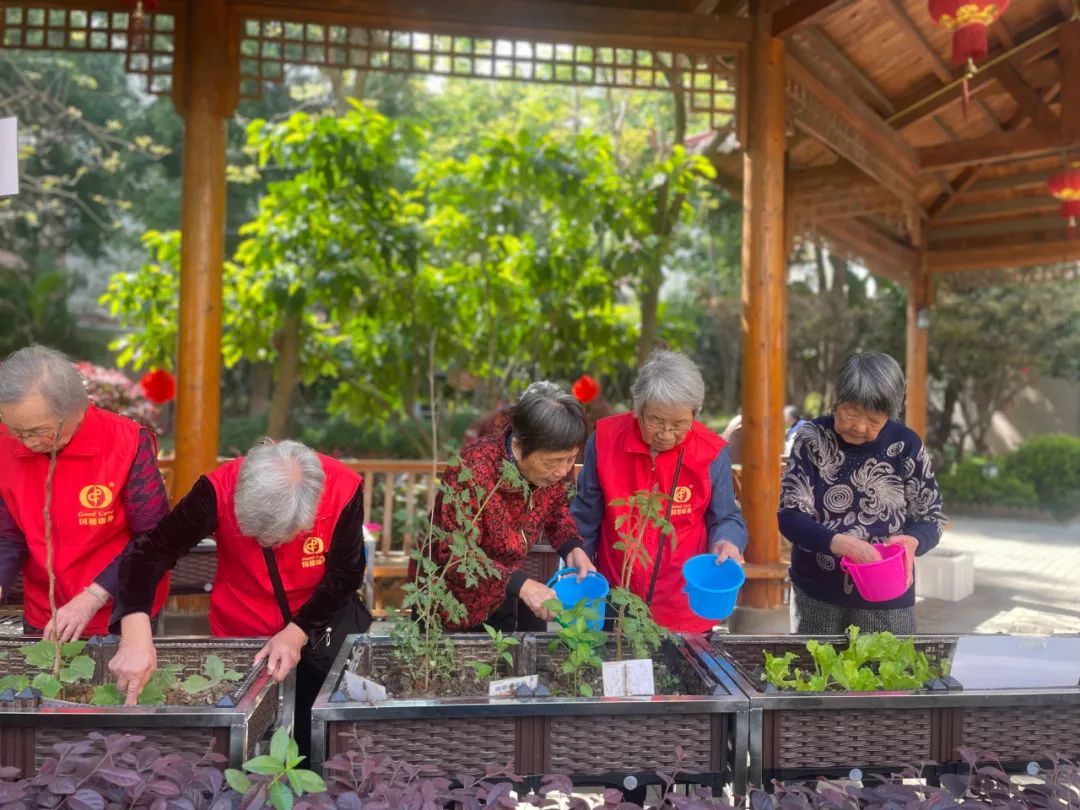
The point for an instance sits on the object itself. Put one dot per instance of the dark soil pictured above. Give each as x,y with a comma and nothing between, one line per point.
464,684
665,681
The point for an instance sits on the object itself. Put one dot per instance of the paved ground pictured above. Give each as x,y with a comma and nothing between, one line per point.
1027,579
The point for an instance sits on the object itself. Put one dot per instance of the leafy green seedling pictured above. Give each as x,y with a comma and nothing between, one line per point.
581,642
74,666
276,775
214,675
153,694
502,644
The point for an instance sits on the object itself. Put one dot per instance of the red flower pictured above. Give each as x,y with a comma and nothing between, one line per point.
585,389
159,386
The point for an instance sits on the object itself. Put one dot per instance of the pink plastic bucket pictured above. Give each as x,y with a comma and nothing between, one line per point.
883,579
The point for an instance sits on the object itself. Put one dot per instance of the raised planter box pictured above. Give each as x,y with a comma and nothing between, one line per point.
800,735
597,741
29,730
944,574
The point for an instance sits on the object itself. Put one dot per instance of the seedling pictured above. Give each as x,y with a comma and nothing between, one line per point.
215,675
581,642
160,684
74,668
276,777
502,644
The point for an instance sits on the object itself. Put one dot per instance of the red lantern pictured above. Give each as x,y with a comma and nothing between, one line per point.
968,21
1066,187
137,26
585,389
159,386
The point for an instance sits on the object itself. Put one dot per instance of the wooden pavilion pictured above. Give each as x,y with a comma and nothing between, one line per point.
850,124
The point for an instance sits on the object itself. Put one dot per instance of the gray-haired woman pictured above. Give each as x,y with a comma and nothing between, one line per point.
660,447
105,488
856,479
289,529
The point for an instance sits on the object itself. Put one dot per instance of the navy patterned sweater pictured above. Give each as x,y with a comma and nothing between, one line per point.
874,491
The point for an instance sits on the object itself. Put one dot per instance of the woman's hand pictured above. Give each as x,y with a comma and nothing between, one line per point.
854,548
534,594
725,551
580,560
911,545
283,651
135,659
72,618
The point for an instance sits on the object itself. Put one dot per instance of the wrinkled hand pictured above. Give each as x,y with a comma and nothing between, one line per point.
725,551
854,548
282,652
72,618
534,594
911,545
580,560
135,659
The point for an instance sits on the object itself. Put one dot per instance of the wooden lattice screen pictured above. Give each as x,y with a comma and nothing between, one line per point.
269,45
29,27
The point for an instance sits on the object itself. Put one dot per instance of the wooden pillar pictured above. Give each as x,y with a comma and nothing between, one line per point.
919,301
205,89
764,299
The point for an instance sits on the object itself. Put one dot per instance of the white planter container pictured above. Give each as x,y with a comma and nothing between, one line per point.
944,574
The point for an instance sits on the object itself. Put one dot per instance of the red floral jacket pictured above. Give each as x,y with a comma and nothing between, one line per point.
512,521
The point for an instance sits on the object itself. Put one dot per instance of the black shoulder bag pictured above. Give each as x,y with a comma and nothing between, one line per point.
667,518
322,648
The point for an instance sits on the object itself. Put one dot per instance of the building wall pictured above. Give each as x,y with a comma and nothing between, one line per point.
1047,406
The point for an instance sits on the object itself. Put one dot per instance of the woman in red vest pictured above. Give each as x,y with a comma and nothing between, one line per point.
545,432
289,526
643,451
106,487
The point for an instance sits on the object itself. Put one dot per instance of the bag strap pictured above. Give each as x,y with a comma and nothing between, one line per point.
667,519
275,580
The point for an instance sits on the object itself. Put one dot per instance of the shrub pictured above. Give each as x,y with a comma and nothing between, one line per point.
1051,463
967,482
112,391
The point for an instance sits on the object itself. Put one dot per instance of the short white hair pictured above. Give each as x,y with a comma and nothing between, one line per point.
668,378
41,370
278,491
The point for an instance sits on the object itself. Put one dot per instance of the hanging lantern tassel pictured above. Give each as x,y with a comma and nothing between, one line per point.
137,26
1066,187
968,20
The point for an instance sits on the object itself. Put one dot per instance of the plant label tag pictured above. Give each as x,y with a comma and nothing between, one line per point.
363,689
9,157
508,686
628,678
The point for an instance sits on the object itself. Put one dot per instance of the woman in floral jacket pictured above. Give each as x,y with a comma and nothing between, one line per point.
519,481
857,479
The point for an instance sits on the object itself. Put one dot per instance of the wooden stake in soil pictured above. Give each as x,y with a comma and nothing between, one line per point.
49,549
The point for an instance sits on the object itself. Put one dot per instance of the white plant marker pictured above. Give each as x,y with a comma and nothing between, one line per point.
363,689
629,678
508,686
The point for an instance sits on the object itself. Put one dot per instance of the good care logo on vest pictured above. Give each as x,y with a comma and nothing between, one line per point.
96,500
314,549
683,496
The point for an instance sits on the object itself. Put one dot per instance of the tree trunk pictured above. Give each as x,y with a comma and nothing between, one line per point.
650,304
262,380
286,374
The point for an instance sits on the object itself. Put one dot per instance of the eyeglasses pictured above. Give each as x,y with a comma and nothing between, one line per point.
660,426
36,433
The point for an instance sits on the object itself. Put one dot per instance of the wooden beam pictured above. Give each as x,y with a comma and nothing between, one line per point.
997,210
881,254
816,38
801,12
551,21
844,123
997,147
1024,181
1028,101
1003,256
764,302
1001,228
1039,42
895,12
1070,79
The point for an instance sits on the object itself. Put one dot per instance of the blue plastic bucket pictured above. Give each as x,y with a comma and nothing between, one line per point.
711,588
592,590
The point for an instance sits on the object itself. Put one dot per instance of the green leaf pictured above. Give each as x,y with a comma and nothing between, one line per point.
46,684
153,694
72,648
83,667
194,684
214,668
107,695
281,797
312,782
39,655
279,745
586,690
238,780
264,765
292,752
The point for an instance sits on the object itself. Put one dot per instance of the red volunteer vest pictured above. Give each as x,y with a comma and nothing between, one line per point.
624,466
88,521
242,602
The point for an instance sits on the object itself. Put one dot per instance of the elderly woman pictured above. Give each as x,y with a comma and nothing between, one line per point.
100,472
661,448
290,543
542,440
857,479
